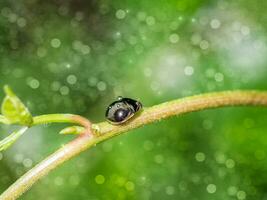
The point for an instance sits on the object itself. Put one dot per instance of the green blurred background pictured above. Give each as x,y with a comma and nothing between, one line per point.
77,56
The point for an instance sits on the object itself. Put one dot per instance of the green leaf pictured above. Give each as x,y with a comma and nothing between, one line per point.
72,130
14,110
4,120
9,140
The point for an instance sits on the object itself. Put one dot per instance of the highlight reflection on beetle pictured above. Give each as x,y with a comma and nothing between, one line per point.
122,110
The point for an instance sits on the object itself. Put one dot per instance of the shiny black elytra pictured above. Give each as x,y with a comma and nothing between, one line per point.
122,110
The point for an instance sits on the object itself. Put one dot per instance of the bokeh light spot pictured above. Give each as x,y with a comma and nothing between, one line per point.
59,181
129,186
159,159
211,188
218,77
170,190
71,79
27,163
21,22
64,90
230,163
174,38
232,190
215,23
55,43
33,83
120,14
188,70
100,179
204,44
241,195
101,86
200,157
150,20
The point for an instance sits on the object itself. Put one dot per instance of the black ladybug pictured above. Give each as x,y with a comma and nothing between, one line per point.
122,110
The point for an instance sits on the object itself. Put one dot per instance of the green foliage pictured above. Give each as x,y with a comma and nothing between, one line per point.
14,110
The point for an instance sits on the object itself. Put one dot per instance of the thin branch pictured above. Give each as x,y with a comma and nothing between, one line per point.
104,131
58,118
63,118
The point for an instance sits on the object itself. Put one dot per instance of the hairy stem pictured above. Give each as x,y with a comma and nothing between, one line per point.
103,131
63,118
59,118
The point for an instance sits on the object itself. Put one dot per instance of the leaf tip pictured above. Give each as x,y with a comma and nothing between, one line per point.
8,90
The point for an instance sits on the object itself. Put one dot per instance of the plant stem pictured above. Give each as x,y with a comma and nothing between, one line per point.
103,131
63,118
57,118
53,118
